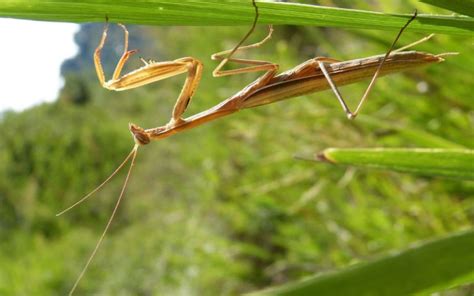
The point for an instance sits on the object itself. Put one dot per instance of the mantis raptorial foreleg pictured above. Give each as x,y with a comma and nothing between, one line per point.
152,71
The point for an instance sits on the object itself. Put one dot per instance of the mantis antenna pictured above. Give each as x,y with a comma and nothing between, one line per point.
132,154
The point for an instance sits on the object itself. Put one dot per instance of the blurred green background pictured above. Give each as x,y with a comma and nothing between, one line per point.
226,208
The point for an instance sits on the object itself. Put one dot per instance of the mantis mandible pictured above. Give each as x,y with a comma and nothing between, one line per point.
314,75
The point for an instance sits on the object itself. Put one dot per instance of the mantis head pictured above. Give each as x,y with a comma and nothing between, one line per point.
139,134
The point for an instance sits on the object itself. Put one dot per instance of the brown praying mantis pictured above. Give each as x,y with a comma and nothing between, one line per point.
314,75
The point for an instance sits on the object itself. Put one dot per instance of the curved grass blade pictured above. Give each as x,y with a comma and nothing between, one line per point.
434,266
229,13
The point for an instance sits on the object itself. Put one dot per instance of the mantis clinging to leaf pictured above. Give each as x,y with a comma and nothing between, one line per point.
314,75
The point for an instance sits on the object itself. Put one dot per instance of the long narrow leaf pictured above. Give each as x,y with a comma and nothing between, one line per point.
434,266
452,163
178,12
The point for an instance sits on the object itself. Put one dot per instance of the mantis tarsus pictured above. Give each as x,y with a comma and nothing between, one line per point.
314,75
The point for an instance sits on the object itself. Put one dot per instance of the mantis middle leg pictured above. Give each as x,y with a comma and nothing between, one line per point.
252,65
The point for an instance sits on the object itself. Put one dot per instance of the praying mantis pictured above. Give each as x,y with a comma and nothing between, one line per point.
311,76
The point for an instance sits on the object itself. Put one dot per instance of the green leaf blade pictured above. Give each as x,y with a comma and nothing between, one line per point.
227,13
450,163
433,266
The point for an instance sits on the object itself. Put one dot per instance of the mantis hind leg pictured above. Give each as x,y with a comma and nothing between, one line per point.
349,113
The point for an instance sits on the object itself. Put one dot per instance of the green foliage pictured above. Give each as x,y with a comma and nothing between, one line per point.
225,209
218,13
74,91
45,150
418,270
